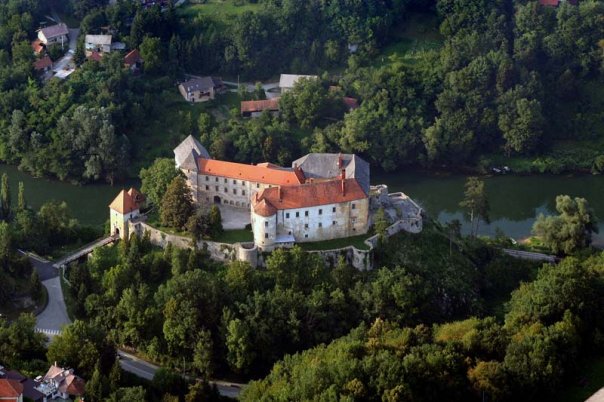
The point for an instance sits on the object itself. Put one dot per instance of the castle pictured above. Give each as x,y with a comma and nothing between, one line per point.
321,197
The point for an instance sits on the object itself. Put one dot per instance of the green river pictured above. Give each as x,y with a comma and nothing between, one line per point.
515,200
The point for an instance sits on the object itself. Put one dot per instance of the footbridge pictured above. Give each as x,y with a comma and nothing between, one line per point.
87,249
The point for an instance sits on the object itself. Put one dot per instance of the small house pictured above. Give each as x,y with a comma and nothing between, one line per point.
255,108
54,34
201,89
133,60
11,391
37,46
43,65
27,384
97,43
60,383
287,81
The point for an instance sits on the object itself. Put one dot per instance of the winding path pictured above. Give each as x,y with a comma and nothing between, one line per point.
52,319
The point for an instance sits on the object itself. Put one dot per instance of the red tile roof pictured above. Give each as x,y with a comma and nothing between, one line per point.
75,385
254,173
351,103
43,63
95,56
132,58
259,105
126,202
312,194
10,389
552,3
37,46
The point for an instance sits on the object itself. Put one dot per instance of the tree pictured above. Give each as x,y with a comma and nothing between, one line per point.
215,221
476,202
21,203
177,204
95,387
152,53
131,394
202,355
571,230
380,224
35,285
156,178
5,197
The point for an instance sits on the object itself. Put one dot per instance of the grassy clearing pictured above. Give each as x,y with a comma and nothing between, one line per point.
419,32
589,379
235,236
356,241
176,118
219,10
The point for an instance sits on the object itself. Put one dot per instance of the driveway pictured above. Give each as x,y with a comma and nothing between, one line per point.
65,66
271,89
54,317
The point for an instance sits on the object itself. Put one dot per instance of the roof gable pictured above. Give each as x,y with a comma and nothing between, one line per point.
189,146
10,389
267,174
126,202
329,166
55,30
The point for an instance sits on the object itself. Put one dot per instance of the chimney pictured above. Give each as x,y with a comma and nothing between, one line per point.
339,160
279,193
343,187
343,174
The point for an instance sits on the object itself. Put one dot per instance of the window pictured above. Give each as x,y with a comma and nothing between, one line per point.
216,179
333,209
333,223
207,178
305,213
306,236
297,214
266,235
225,180
320,224
226,190
234,181
257,185
235,191
216,188
242,192
354,206
207,188
353,220
306,226
287,215
265,224
320,212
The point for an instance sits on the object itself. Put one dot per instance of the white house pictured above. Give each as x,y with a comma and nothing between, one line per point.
97,43
54,34
287,81
201,89
124,207
60,383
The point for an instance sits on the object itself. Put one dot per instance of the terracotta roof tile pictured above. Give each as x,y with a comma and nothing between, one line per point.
37,46
10,389
43,63
126,202
552,3
260,105
312,194
254,173
132,58
351,103
95,56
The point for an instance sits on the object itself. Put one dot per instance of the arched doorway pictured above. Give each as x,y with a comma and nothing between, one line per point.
217,200
117,231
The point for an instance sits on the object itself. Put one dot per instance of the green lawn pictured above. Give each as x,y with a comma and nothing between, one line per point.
589,379
417,33
235,236
220,10
356,241
173,122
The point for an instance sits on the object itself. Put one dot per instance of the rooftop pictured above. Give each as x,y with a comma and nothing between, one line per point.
98,39
260,105
268,174
311,194
289,80
132,58
187,152
43,63
55,30
200,84
125,202
10,389
329,166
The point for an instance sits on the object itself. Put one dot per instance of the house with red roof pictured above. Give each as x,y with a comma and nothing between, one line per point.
254,108
60,383
11,391
133,60
43,65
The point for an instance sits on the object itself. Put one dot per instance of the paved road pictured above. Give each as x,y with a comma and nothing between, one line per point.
529,255
54,317
147,370
64,66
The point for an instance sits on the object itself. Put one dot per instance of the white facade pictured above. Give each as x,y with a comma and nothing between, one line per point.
311,224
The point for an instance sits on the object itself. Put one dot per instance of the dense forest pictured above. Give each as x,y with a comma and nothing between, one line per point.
512,83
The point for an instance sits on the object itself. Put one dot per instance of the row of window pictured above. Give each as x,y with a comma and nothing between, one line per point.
306,213
226,190
234,181
333,223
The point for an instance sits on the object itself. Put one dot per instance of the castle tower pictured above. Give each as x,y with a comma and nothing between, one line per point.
125,206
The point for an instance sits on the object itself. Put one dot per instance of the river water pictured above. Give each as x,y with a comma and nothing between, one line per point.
515,200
